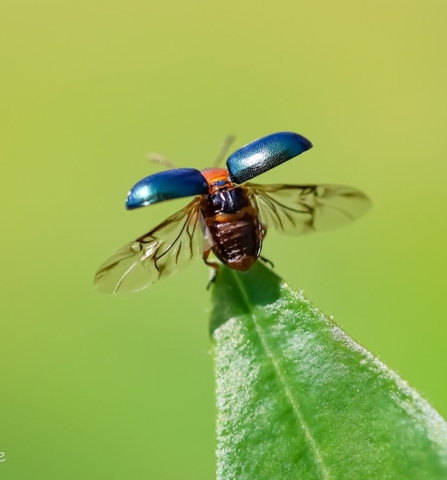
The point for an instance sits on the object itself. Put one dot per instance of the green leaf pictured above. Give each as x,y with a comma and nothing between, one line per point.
299,399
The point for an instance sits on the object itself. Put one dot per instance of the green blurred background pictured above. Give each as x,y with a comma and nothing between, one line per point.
103,387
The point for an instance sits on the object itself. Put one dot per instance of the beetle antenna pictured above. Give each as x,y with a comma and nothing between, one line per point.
160,159
229,139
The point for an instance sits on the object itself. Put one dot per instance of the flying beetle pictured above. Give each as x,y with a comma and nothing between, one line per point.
228,216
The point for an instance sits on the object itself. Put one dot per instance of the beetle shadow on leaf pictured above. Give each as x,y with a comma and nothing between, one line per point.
239,293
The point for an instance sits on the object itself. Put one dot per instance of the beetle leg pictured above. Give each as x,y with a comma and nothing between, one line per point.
266,260
214,266
263,231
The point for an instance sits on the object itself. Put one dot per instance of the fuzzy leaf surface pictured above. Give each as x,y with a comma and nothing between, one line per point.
297,398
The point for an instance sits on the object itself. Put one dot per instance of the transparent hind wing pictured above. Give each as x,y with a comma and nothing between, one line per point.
302,209
168,248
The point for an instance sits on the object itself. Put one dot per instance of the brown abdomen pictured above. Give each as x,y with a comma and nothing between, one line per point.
234,226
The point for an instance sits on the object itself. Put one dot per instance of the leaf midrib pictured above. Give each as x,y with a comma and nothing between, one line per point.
295,406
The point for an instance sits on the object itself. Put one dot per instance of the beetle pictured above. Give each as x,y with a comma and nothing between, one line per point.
228,216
